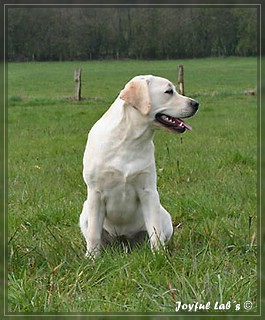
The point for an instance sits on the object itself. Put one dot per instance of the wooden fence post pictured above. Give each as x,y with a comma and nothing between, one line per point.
77,78
180,79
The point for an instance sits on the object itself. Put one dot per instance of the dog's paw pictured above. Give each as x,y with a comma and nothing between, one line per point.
92,255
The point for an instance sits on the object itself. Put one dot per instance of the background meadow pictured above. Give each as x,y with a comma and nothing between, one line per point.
207,180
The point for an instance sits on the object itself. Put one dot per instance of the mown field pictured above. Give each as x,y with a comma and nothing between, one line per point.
207,180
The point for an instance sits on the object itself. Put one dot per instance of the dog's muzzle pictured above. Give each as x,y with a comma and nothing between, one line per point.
177,124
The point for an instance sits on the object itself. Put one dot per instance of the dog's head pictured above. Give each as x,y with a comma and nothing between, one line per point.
157,99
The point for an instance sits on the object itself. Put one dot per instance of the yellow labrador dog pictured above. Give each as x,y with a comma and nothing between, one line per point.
119,164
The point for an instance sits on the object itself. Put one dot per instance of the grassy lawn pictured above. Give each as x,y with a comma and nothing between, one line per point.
206,179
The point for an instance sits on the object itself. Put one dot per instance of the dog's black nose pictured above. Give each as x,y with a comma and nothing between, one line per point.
194,104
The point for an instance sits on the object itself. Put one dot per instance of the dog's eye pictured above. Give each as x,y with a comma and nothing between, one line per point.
169,91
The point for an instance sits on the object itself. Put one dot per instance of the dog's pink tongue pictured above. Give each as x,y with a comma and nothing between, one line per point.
187,126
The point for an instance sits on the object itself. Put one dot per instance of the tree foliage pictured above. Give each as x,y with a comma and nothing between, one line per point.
50,33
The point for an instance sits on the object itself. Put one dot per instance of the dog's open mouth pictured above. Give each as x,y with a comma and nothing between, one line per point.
172,123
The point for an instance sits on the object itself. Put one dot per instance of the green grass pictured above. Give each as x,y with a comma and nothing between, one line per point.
206,180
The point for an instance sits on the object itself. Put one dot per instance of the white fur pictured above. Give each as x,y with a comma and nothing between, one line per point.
119,165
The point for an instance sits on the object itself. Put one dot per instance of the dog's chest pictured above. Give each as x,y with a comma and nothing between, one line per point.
120,196
112,182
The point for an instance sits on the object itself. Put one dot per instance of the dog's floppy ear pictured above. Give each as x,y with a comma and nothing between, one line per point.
136,93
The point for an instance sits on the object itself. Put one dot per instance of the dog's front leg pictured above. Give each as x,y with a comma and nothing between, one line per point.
151,210
91,222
